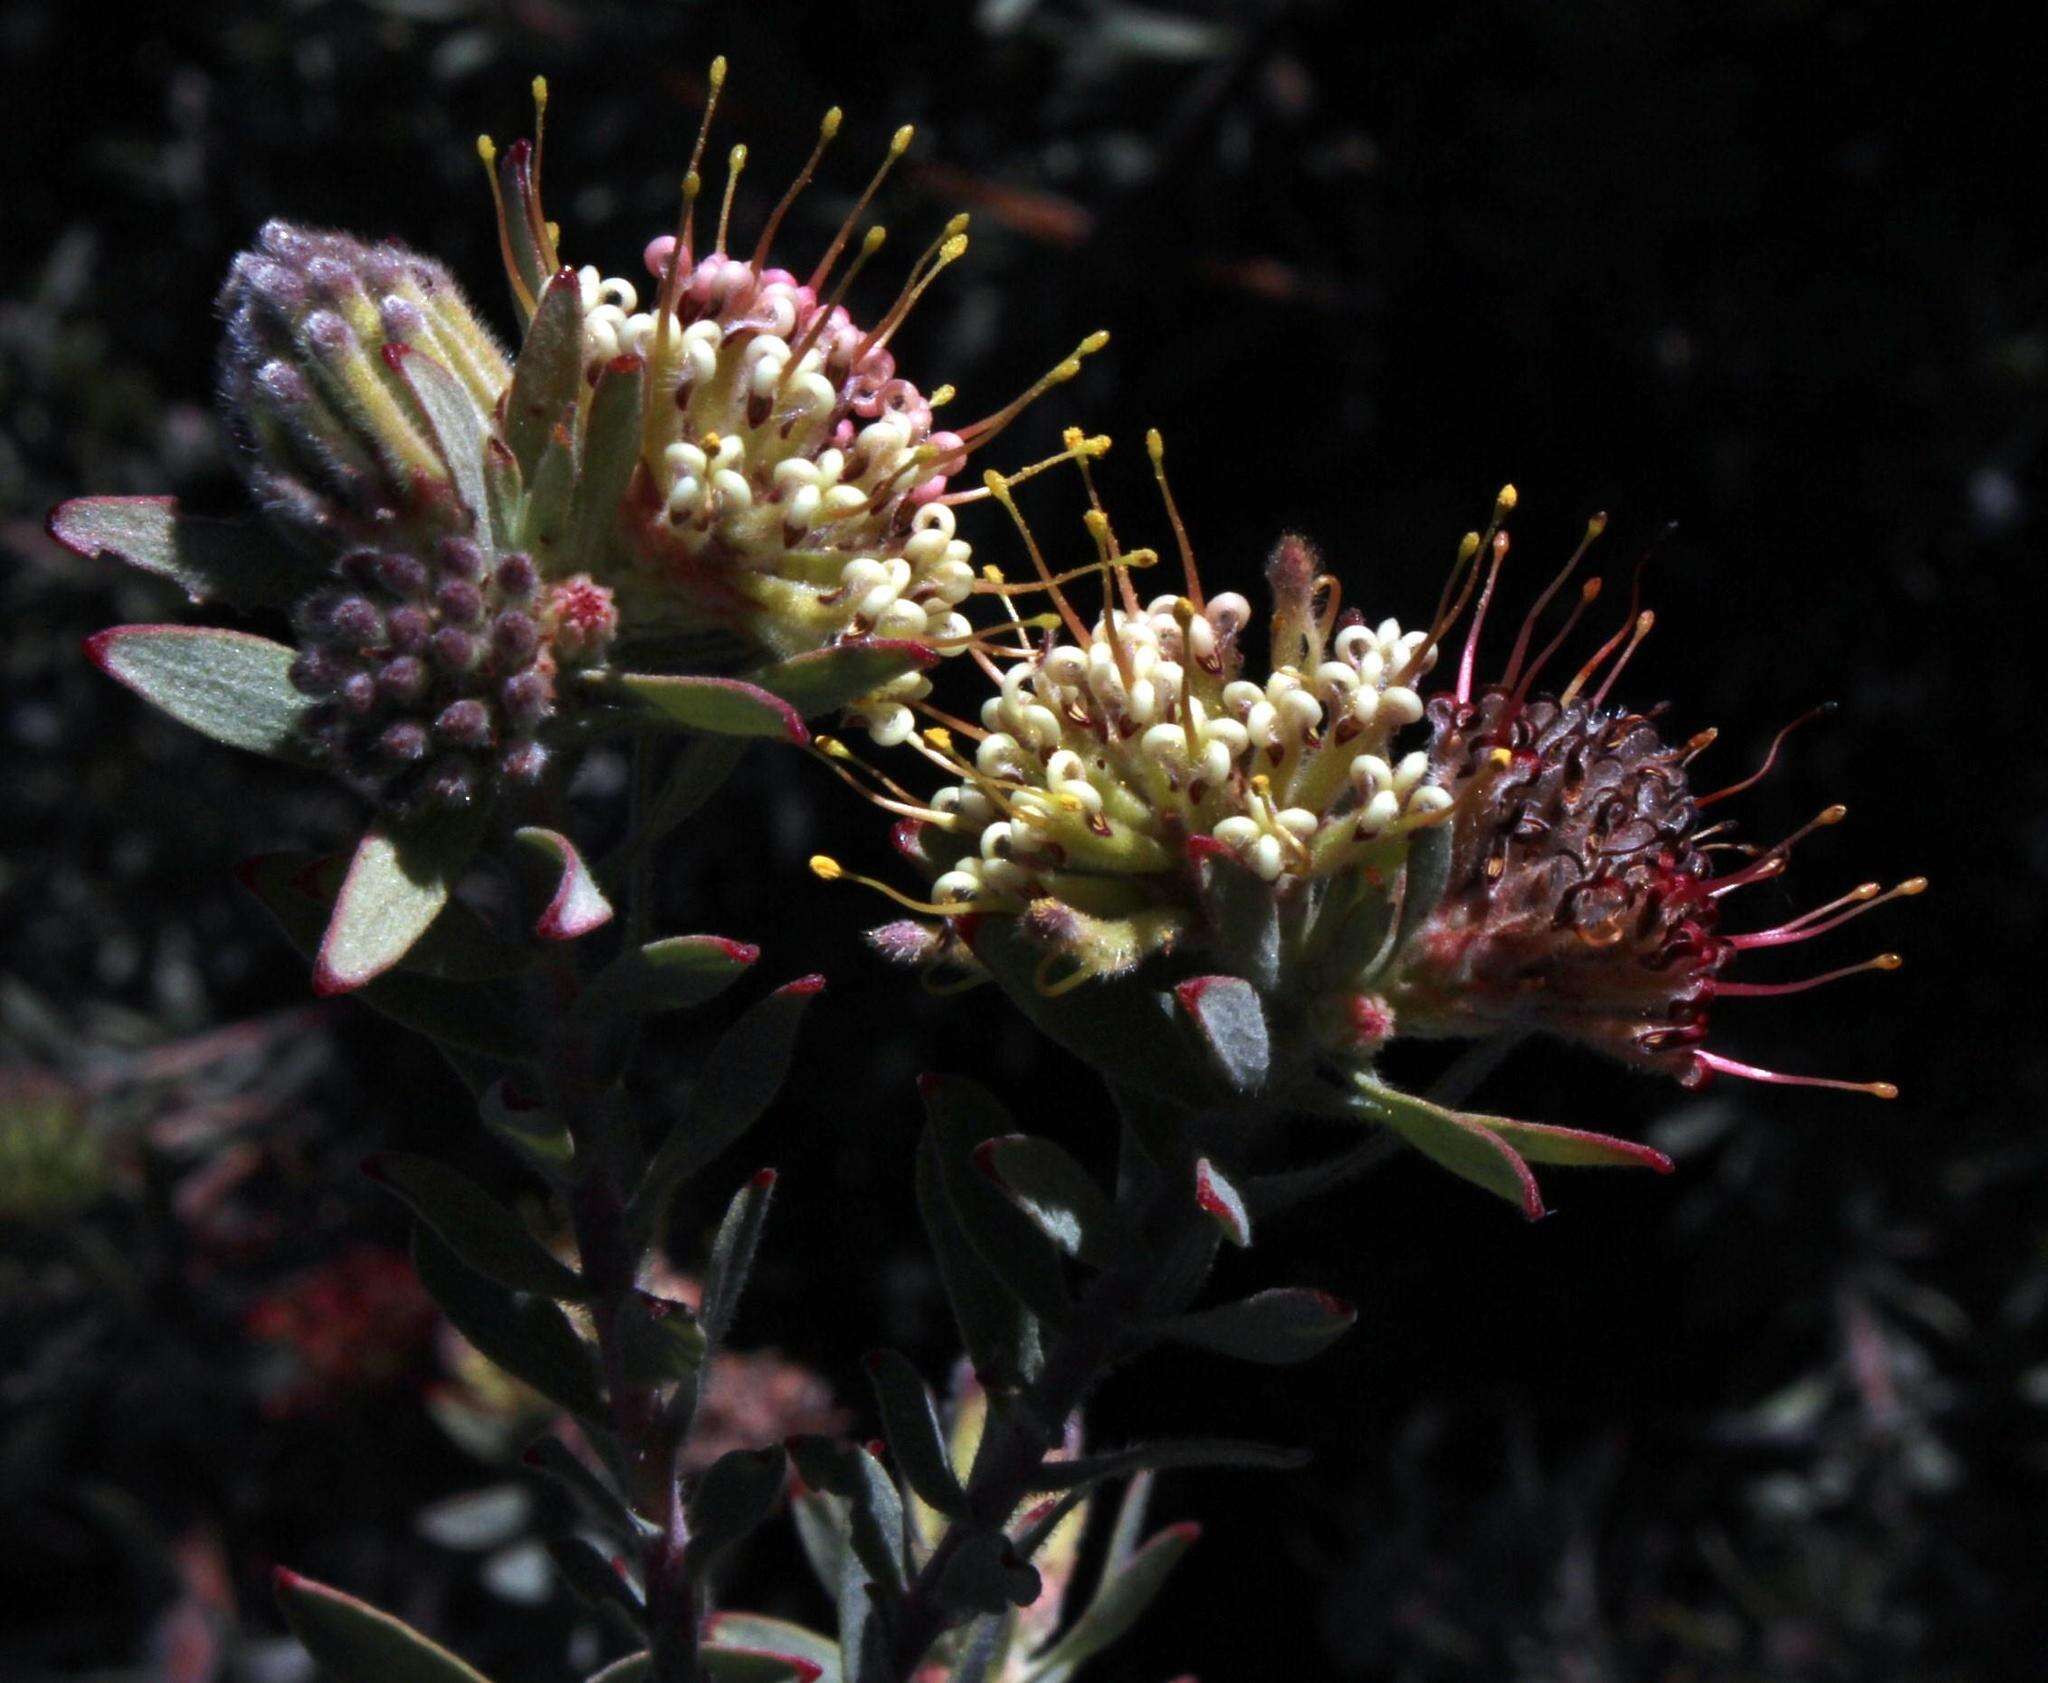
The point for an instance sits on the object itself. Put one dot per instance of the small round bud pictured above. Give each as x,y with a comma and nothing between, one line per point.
517,576
523,762
461,558
357,693
328,336
402,574
403,680
355,619
314,673
408,629
515,638
449,782
455,651
459,603
402,318
525,697
405,742
465,723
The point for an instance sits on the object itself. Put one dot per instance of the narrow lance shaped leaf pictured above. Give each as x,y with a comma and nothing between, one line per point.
720,706
1424,877
677,973
228,685
1120,1600
1230,1024
1459,1143
741,1078
1087,1470
1222,1203
548,372
874,1510
355,1643
576,905
963,1114
457,426
1000,1334
596,1581
551,1457
1278,1327
732,1254
736,1493
397,883
611,449
910,1421
1059,1196
760,1634
825,680
238,563
477,1228
526,1335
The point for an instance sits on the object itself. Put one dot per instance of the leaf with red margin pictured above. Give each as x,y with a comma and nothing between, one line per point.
577,905
397,883
1222,1204
721,706
236,562
1459,1143
356,1643
1540,1142
1231,1023
229,685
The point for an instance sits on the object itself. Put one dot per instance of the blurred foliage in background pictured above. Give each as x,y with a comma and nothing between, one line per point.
1767,269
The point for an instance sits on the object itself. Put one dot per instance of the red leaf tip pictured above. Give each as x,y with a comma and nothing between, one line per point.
804,985
763,1180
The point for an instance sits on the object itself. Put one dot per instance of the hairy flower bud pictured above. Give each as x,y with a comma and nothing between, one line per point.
332,438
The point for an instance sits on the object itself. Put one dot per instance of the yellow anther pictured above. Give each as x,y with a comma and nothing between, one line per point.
832,748
1596,526
940,398
830,124
826,867
716,75
1503,505
900,142
1886,961
1093,343
1833,815
940,738
1912,885
487,149
1155,446
540,94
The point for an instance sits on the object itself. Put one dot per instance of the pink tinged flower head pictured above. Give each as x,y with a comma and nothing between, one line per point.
793,486
1585,889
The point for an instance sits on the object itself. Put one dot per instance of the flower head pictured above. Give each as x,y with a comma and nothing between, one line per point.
792,484
1363,858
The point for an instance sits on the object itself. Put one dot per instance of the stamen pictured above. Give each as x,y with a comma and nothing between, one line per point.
1821,921
1644,621
837,757
1695,748
1589,593
1471,654
540,130
830,870
1770,759
1000,490
735,161
1078,449
487,151
1772,990
870,243
1594,528
1704,1062
686,229
1155,447
978,433
826,130
897,147
945,252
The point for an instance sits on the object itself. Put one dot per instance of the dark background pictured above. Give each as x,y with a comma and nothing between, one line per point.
1770,271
